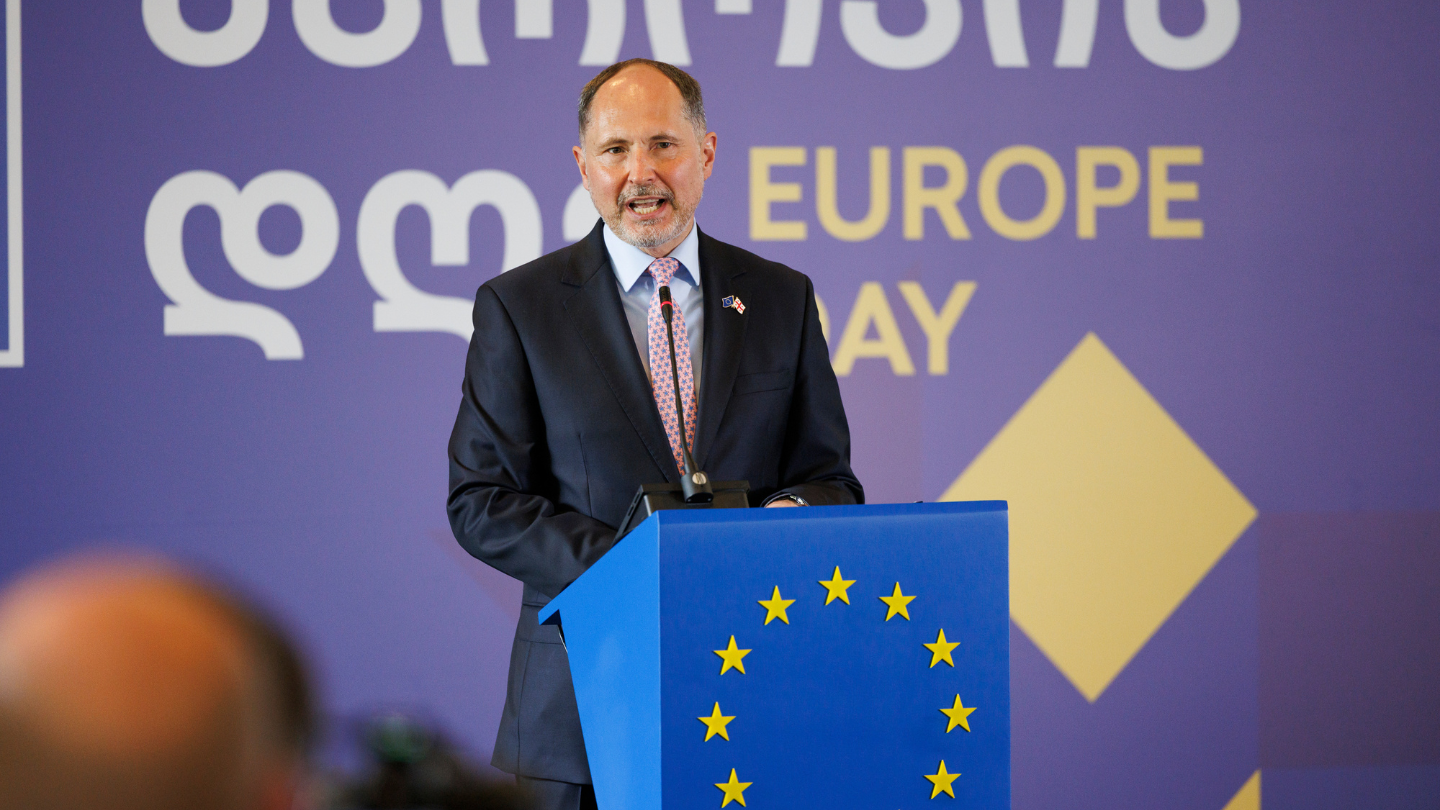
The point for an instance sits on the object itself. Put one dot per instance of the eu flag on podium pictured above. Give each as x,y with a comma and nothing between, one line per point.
829,657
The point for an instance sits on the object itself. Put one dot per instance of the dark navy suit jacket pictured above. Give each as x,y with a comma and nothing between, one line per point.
558,428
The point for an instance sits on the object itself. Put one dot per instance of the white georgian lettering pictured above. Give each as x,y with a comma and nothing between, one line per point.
196,311
389,39
228,43
403,306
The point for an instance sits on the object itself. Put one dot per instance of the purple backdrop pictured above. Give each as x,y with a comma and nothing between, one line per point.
1296,342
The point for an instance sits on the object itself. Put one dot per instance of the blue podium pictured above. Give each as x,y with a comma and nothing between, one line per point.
833,657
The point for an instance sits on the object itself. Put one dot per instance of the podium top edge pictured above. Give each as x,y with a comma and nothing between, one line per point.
833,512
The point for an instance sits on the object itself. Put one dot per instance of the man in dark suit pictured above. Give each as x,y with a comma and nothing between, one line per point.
559,422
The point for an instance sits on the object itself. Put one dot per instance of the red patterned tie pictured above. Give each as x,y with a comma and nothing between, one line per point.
661,385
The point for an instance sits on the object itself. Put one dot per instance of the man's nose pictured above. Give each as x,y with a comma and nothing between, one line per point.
642,168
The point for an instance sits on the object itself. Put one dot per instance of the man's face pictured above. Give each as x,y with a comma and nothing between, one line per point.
642,161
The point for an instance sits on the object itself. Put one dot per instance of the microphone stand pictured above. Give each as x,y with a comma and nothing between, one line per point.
694,484
695,491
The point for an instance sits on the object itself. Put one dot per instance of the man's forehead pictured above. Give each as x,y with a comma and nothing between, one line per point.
639,106
639,83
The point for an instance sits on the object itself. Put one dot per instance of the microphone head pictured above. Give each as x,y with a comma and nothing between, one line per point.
664,293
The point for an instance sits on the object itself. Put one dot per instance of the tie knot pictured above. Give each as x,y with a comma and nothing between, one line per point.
663,271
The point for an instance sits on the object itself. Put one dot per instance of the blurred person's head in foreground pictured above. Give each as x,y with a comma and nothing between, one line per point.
127,683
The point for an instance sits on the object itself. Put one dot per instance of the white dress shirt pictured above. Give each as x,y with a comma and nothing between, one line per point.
637,288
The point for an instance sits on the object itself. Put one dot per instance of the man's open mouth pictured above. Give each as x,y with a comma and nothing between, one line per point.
646,206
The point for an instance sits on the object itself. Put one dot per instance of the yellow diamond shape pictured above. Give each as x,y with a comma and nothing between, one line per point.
1115,514
1248,797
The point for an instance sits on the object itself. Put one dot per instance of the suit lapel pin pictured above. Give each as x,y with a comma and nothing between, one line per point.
732,302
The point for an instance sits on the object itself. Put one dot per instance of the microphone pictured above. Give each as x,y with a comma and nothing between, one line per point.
694,484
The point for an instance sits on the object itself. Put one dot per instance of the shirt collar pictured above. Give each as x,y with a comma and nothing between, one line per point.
631,262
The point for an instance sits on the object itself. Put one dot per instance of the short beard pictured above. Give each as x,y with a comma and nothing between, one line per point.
648,237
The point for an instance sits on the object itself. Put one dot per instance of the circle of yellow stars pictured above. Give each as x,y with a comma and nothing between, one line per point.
837,587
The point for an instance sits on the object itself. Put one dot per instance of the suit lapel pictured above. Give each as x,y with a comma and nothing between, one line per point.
724,339
595,311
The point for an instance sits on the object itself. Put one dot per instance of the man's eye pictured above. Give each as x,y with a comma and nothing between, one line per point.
614,150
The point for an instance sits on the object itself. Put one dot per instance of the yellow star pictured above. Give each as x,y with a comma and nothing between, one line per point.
837,588
958,714
716,722
941,649
735,789
941,781
775,607
731,657
897,602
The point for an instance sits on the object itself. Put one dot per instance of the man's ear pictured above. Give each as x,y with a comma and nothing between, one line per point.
580,163
707,152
